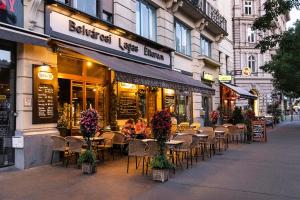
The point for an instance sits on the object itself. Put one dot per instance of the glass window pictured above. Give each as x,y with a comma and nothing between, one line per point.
5,57
248,7
68,65
183,39
205,46
145,20
251,35
87,6
106,16
95,70
252,63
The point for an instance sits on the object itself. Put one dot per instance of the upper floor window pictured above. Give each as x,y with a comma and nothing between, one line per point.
183,38
87,6
145,20
205,46
252,63
251,35
248,7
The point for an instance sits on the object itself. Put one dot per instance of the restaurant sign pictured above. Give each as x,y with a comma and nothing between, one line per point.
246,71
86,34
225,78
208,76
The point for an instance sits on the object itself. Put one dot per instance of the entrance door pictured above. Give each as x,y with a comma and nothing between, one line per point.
7,107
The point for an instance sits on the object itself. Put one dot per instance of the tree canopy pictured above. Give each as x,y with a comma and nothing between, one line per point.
285,65
273,9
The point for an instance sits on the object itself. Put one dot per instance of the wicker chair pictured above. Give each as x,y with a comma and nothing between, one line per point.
233,133
137,149
75,146
106,145
183,126
59,144
152,150
195,125
211,142
185,149
223,139
120,141
241,129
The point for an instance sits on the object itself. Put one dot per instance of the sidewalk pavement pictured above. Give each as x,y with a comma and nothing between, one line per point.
257,171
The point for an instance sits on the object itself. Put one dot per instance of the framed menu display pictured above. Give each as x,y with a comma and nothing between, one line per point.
259,131
44,94
127,105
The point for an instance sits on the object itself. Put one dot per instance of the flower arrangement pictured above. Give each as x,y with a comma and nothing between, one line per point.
89,124
161,129
214,116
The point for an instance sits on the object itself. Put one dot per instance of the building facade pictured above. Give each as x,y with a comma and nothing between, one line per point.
248,59
128,57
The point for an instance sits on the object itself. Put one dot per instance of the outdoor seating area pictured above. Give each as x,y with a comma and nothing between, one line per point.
184,148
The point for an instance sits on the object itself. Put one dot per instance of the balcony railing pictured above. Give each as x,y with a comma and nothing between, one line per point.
204,7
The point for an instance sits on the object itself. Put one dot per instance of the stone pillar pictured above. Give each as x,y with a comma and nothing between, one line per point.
37,149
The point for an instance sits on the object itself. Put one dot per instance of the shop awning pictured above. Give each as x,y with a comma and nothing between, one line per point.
137,73
20,35
240,91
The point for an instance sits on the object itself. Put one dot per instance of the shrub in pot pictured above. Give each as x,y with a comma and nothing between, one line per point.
161,129
88,126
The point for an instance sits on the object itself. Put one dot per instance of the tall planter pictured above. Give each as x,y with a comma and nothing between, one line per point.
161,128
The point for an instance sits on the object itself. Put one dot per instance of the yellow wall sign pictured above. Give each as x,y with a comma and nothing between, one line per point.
246,71
225,78
208,76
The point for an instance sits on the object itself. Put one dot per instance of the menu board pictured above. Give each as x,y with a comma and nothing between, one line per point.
127,105
259,130
169,101
44,94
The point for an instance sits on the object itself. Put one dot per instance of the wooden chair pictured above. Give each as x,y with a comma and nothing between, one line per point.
195,125
119,140
59,144
223,139
211,141
241,129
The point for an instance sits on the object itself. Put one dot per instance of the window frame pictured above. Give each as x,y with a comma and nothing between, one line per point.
140,25
251,35
188,49
248,7
70,3
252,63
209,42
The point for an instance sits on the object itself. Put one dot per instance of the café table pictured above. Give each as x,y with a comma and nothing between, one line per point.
219,135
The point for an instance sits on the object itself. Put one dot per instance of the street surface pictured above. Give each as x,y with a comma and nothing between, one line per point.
257,171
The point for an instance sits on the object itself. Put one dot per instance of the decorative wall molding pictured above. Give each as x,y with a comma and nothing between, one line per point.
201,24
173,5
35,4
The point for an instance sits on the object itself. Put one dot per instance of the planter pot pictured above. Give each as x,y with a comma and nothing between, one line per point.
160,175
88,168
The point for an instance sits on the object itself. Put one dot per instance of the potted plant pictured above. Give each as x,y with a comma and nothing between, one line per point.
161,129
88,126
63,122
237,116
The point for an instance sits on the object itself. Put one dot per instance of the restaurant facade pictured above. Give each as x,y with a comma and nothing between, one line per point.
62,59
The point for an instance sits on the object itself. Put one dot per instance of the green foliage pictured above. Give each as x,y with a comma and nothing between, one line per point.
285,66
87,157
161,162
237,116
113,109
273,9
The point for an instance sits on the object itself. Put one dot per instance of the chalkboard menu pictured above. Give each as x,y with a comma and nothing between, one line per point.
44,94
259,130
169,101
127,105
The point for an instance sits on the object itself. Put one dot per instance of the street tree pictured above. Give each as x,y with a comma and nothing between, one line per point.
285,65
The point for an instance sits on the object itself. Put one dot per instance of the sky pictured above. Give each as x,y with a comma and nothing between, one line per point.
294,15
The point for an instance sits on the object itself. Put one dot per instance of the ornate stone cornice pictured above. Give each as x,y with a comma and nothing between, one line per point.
201,24
173,5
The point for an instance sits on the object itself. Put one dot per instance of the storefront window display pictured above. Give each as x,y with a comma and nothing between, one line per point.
81,88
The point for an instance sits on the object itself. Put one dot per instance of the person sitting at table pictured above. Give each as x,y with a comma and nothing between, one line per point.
128,129
140,129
